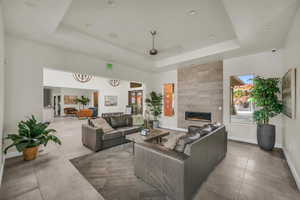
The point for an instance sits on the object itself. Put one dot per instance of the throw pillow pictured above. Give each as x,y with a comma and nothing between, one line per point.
172,140
185,140
182,142
101,123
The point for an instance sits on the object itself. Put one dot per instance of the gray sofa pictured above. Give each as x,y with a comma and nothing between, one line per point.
179,175
96,140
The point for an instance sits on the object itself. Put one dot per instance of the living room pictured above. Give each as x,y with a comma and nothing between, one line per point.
199,69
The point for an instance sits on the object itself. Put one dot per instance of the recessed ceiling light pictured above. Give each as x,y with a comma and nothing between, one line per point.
113,35
111,2
192,12
31,3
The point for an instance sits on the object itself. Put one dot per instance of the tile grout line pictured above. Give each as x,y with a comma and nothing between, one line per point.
38,183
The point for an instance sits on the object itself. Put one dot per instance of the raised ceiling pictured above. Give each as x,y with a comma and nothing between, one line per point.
127,24
119,30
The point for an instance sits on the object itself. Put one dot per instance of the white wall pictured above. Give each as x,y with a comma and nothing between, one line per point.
264,64
24,75
159,80
291,133
56,78
1,87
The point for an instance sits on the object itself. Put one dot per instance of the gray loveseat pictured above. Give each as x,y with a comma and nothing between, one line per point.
179,175
96,139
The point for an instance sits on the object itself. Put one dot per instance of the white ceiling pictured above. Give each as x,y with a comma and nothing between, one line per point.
119,31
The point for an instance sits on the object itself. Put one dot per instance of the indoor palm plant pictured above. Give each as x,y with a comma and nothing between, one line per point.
154,103
32,134
83,101
265,96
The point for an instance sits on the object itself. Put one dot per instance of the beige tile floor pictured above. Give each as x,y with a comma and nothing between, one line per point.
247,173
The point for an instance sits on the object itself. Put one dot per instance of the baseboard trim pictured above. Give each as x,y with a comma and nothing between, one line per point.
2,171
250,141
12,154
292,167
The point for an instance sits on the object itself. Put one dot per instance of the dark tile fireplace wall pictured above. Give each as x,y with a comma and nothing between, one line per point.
200,89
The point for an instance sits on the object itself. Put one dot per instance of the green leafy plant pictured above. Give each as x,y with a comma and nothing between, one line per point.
31,134
154,104
83,101
265,96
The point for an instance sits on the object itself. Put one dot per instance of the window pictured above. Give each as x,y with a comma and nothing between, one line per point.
241,108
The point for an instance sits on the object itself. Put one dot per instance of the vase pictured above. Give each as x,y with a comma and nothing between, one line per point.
266,136
30,153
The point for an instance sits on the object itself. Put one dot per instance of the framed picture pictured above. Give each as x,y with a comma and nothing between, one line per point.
169,99
110,100
68,100
289,93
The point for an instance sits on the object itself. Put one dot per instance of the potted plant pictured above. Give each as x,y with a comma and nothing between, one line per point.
31,135
265,96
154,104
83,101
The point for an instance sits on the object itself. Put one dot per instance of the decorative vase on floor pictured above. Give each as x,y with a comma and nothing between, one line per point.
266,136
30,153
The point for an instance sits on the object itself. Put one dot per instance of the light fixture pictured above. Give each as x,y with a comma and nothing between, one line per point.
82,78
153,51
192,12
113,35
114,82
111,2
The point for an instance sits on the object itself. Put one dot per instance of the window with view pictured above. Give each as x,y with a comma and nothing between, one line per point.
241,108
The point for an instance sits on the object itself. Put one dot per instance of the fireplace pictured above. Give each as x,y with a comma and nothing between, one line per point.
198,116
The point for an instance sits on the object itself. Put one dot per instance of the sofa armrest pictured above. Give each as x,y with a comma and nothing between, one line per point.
162,168
92,137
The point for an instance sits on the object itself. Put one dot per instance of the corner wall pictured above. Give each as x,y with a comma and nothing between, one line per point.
159,79
263,64
291,133
24,75
1,89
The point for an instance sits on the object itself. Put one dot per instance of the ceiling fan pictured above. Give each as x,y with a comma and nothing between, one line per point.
153,51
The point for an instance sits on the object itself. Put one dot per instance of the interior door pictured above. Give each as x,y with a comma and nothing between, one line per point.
135,100
96,99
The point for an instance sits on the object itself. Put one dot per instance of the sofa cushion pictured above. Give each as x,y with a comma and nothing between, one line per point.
100,123
172,140
184,140
112,135
120,121
129,130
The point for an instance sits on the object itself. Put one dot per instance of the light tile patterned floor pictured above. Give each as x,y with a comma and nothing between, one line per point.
246,173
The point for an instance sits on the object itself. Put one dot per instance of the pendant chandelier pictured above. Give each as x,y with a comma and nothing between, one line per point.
114,82
153,51
82,78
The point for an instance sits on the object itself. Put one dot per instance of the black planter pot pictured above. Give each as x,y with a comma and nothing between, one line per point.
266,136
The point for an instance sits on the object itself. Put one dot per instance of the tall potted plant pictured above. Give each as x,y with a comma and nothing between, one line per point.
154,103
265,96
83,101
31,135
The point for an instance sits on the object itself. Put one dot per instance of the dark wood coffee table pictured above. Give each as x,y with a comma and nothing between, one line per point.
154,135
